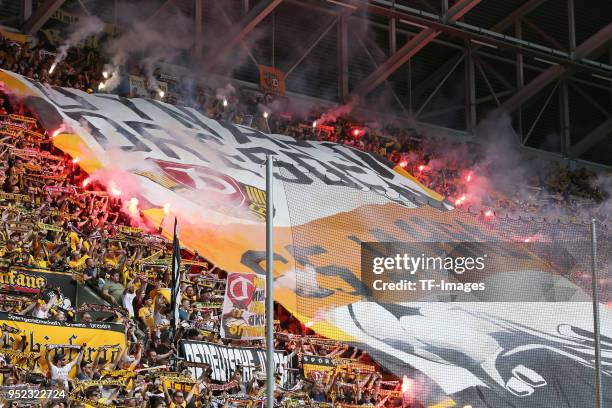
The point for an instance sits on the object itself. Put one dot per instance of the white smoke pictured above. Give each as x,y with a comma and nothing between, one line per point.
86,26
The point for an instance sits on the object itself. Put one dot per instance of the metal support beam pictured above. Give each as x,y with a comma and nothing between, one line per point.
26,10
161,8
520,76
197,15
470,90
312,46
392,36
551,40
439,85
487,82
41,16
343,83
270,365
554,72
571,23
248,23
564,112
536,85
437,76
594,42
246,6
541,112
408,50
511,18
598,134
391,89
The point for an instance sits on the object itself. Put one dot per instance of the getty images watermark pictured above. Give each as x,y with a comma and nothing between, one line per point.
474,271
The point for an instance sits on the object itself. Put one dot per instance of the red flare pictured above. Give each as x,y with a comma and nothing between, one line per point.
488,213
406,385
75,160
133,207
403,163
86,182
460,200
468,178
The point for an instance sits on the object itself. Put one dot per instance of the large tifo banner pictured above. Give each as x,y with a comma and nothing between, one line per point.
34,334
223,361
244,307
329,200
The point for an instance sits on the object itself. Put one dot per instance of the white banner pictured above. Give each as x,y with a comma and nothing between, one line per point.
244,307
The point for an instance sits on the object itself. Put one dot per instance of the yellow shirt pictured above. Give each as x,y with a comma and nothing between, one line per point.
77,265
146,315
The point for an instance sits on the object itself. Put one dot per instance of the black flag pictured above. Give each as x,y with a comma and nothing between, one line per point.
175,299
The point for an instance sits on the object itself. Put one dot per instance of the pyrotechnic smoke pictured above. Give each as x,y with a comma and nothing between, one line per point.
331,115
225,92
151,44
85,27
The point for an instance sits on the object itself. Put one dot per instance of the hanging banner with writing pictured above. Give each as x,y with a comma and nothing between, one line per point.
244,307
223,361
38,333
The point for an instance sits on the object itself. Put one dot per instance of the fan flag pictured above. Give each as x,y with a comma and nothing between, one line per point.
175,302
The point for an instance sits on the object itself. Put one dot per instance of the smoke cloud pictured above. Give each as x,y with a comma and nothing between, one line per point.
86,26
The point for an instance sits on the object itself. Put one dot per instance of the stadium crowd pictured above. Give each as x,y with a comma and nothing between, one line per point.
54,219
450,168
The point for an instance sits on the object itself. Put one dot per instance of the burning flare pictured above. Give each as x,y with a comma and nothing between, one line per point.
133,207
406,385
166,208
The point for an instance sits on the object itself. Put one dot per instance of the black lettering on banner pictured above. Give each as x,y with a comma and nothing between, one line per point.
299,177
369,159
240,137
252,259
224,360
204,137
252,153
137,144
178,116
302,254
383,236
301,158
80,102
195,117
127,103
161,143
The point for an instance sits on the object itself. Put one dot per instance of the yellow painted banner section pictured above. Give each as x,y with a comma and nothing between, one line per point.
36,333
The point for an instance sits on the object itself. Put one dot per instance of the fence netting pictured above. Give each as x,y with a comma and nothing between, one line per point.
520,335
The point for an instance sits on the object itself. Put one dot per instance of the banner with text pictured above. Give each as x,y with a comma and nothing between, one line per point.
223,361
36,334
244,307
